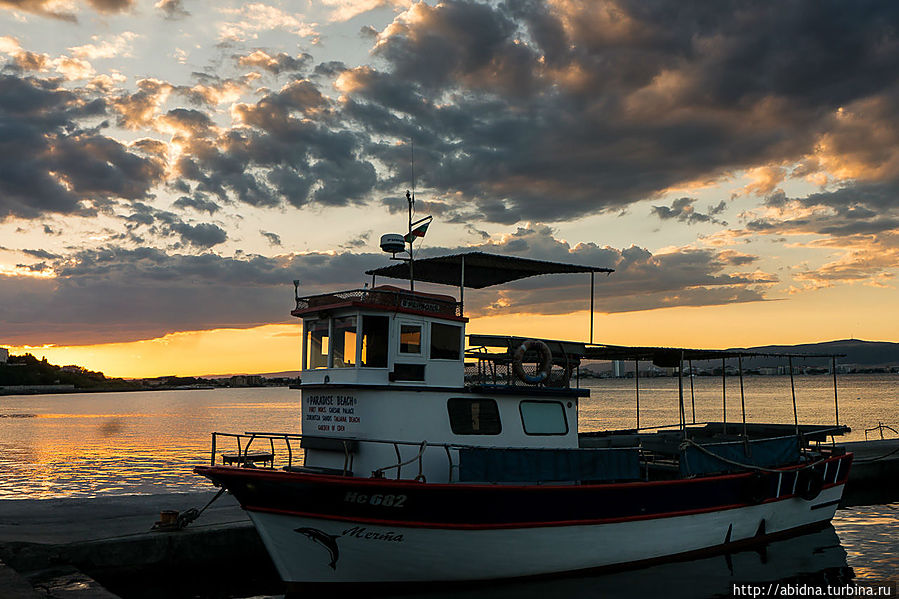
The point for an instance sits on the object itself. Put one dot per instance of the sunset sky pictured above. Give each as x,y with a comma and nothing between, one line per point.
168,168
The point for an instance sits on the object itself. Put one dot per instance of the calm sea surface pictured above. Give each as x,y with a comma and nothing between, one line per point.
84,445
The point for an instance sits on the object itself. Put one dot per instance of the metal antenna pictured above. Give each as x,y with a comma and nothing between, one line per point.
411,200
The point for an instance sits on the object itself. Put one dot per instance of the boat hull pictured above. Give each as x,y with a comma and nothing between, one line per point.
315,535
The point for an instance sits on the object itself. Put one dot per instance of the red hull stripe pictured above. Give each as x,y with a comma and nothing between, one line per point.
510,525
235,471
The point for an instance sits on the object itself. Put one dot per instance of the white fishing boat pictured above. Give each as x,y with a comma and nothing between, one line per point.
429,455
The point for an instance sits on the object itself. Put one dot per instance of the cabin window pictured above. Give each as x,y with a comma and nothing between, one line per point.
410,339
543,418
375,341
446,341
317,342
474,416
344,344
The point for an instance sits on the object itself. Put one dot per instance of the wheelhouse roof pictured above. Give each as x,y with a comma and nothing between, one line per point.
481,269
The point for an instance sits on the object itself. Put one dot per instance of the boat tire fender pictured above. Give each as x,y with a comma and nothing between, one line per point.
757,488
811,481
544,366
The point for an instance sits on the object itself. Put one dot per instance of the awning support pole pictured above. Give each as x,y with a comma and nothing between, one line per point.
637,387
836,403
793,392
724,393
591,305
742,398
462,289
692,396
680,394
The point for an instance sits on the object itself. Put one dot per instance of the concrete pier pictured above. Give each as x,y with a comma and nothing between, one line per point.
109,539
874,477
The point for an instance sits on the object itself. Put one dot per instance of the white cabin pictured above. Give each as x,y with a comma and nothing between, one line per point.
383,370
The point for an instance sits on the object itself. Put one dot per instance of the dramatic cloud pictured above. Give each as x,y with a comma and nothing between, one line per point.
172,9
641,281
273,238
682,210
53,8
50,163
279,63
592,106
126,294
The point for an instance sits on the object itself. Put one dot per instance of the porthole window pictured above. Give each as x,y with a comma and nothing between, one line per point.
474,416
543,418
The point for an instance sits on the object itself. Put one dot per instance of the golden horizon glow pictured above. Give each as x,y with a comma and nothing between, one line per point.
823,316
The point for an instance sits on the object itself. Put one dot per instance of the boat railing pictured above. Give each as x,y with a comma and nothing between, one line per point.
880,427
658,454
489,362
248,458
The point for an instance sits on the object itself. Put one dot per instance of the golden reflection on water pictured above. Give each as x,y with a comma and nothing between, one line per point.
871,536
84,445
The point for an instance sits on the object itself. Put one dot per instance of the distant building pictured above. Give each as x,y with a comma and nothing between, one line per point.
4,355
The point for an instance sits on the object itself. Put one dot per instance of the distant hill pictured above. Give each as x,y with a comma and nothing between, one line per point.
28,370
285,374
870,354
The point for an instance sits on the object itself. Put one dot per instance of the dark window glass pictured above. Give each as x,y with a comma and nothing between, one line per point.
543,418
410,339
375,341
446,341
316,343
474,416
343,352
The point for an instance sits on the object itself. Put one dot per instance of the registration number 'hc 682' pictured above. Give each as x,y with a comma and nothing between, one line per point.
375,499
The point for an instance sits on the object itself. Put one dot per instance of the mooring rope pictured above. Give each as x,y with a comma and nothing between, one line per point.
689,442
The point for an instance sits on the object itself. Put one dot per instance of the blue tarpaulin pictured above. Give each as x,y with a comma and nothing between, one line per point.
548,465
767,453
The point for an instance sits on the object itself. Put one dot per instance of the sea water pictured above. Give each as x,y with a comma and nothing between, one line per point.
88,445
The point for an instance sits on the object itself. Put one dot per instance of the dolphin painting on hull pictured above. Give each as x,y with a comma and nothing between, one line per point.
327,541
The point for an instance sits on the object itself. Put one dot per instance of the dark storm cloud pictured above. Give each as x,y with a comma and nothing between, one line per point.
172,9
275,63
273,238
641,281
198,203
118,294
41,254
683,211
49,163
591,106
115,293
203,235
292,150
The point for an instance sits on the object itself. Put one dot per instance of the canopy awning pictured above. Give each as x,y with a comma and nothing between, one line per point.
671,356
480,269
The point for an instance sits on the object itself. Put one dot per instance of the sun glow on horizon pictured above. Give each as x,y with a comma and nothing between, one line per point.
276,347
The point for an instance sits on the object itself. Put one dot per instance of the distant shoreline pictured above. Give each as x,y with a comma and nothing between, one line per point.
55,390
35,390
